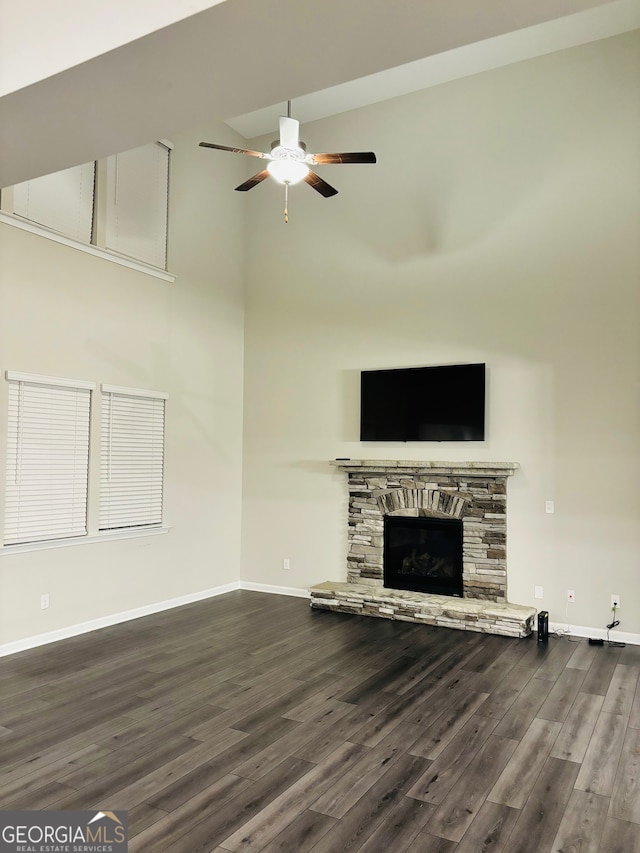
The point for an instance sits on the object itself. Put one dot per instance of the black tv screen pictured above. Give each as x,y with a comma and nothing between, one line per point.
443,403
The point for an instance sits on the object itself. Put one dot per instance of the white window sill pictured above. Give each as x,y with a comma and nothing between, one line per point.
89,249
132,533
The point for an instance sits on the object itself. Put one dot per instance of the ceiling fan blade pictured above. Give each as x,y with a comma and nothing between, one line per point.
289,132
236,150
254,181
319,185
353,157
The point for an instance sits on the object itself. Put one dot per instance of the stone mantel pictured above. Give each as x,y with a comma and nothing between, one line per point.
401,466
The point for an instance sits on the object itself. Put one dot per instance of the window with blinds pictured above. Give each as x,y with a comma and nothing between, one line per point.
47,458
119,204
136,203
131,458
62,201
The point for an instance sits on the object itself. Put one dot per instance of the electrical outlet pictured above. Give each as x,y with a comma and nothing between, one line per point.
571,595
538,592
549,507
286,564
615,600
44,601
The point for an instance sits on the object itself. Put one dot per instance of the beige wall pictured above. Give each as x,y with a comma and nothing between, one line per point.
63,312
499,225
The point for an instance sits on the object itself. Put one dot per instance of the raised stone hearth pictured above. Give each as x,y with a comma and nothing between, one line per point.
473,492
445,611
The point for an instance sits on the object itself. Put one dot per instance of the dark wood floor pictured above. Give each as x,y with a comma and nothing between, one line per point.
251,723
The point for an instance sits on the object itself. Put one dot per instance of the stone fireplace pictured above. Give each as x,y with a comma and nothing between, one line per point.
469,496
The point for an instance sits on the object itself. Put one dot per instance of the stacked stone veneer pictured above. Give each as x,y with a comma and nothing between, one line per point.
473,492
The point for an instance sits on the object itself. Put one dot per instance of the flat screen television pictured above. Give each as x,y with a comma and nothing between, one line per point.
441,403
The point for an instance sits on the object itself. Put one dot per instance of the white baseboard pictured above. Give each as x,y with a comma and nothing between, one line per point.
294,591
596,633
113,619
148,609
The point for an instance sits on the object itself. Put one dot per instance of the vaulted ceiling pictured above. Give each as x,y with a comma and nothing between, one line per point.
239,58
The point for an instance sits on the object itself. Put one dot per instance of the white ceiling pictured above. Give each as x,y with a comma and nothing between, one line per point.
245,58
569,31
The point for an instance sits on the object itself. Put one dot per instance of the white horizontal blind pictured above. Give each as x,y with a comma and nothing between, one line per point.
62,201
137,194
47,459
131,458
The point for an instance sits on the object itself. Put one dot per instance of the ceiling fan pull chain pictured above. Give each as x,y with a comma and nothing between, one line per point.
286,203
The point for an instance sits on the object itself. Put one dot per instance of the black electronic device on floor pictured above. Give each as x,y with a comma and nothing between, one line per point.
543,626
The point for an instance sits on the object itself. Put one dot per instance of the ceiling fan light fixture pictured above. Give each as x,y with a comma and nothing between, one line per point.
289,161
288,171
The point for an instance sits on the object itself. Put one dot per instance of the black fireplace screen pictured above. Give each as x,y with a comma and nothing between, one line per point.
423,554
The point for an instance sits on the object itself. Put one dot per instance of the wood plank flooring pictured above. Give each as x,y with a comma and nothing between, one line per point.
252,723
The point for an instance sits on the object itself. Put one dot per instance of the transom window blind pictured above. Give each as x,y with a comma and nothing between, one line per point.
136,212
62,201
47,458
132,457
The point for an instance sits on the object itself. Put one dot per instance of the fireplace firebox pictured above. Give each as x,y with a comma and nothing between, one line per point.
423,554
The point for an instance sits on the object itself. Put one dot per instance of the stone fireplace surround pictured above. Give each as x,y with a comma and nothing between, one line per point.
475,493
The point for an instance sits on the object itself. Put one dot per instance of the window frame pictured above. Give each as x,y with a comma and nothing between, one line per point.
92,498
51,506
97,245
62,202
138,435
114,203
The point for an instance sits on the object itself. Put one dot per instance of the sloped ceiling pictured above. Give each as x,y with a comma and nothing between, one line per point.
240,57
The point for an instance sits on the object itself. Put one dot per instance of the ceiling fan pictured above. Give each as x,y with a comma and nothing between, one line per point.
289,161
